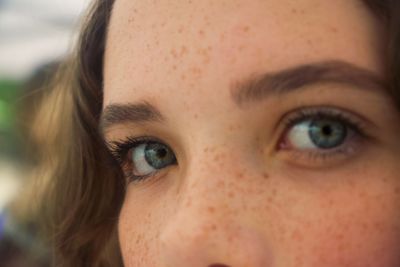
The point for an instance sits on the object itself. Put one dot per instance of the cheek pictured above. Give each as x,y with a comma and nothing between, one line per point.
137,234
358,230
132,242
370,241
351,224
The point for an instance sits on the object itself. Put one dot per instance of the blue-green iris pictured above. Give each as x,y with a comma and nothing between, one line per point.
158,155
327,134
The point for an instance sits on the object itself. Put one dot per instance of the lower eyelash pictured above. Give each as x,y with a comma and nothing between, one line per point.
348,149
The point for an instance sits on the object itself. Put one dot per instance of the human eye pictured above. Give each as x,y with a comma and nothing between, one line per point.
321,136
142,157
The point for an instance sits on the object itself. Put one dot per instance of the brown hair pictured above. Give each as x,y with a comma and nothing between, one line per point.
85,186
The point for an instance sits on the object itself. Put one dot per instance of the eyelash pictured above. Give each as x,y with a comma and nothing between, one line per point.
120,149
303,114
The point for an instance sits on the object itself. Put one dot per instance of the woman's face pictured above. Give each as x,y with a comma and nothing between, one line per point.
253,133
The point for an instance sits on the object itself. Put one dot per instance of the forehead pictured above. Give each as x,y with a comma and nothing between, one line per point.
156,49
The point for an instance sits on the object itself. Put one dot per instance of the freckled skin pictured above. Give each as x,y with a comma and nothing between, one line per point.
231,201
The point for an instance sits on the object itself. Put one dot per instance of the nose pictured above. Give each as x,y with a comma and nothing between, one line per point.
210,229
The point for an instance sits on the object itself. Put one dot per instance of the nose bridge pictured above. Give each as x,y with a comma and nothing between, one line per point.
212,180
208,227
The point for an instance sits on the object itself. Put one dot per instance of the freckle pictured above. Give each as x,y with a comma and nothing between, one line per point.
339,237
196,71
260,191
352,184
265,175
299,261
220,184
201,32
307,225
138,239
378,226
196,116
397,190
183,51
213,227
250,191
211,209
334,29
231,194
174,67
362,194
174,53
294,11
202,52
240,175
246,28
241,47
297,236
183,77
364,226
189,202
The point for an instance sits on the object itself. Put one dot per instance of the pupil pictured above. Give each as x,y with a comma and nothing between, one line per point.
161,153
326,130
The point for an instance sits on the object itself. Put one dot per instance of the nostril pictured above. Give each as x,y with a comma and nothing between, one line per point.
218,265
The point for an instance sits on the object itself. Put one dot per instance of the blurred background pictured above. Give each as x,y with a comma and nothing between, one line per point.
35,35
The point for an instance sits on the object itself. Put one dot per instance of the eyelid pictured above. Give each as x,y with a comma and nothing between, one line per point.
359,123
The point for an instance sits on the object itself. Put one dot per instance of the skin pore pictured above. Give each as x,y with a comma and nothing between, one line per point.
244,184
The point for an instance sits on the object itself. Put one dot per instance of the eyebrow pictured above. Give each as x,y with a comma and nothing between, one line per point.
257,88
142,112
301,77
